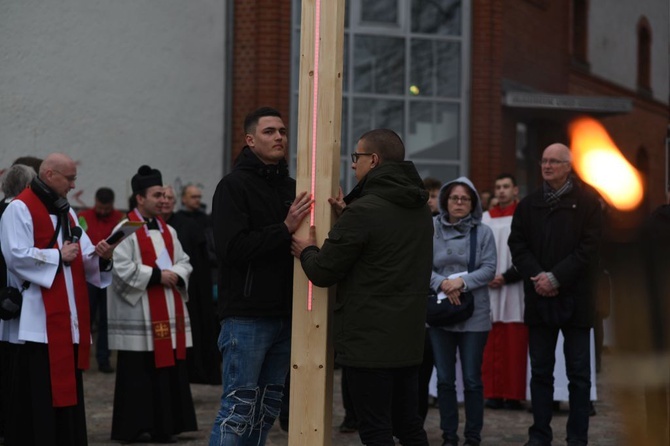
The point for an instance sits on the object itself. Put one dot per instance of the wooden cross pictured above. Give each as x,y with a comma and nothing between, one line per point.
318,140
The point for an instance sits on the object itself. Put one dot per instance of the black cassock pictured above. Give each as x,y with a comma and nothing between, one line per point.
203,359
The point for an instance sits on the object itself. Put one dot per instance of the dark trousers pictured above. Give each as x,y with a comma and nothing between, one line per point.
386,403
349,411
425,373
576,348
97,298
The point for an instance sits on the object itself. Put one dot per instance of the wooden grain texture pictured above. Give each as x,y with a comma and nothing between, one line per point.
310,421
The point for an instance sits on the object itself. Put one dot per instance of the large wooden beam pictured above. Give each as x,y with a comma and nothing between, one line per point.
310,421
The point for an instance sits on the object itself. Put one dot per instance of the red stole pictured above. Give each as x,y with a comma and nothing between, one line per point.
160,318
497,212
57,308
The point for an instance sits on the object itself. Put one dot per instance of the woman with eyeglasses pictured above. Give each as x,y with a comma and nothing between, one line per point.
460,215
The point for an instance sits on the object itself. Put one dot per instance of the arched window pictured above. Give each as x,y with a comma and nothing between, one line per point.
644,55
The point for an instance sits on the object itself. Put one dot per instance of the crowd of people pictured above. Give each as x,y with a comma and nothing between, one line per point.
528,265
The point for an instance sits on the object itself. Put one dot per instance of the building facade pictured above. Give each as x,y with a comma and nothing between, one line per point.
115,85
474,87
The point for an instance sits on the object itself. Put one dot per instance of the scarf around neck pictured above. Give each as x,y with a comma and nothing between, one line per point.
551,196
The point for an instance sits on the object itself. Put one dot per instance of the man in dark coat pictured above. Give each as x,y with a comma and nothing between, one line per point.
379,253
203,359
554,242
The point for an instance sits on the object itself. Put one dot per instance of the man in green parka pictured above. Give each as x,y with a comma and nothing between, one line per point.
379,253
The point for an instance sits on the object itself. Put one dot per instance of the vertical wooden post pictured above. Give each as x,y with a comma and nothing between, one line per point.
310,421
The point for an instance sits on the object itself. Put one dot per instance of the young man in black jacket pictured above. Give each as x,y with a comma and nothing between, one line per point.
254,212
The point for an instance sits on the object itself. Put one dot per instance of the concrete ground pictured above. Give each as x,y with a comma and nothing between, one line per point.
501,427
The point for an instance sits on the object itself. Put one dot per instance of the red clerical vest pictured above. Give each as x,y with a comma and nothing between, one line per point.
497,211
160,318
57,308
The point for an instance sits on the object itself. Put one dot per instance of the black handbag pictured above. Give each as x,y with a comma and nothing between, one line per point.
442,313
11,298
10,302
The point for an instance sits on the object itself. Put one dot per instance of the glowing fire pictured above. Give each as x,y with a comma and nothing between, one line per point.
599,162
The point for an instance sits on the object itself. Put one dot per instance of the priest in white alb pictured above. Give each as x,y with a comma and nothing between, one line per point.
51,258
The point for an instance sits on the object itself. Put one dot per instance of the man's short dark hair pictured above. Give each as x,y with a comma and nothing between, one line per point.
185,188
104,195
251,120
502,176
385,143
31,161
430,183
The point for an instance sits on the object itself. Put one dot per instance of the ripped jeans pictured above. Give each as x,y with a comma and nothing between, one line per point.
256,356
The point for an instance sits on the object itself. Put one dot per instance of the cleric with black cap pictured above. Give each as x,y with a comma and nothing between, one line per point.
148,323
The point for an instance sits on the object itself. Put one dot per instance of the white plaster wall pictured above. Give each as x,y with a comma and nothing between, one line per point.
115,84
612,34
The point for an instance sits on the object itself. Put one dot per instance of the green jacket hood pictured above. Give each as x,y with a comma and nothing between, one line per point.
397,182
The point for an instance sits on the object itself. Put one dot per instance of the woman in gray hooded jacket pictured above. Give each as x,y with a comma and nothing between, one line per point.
461,213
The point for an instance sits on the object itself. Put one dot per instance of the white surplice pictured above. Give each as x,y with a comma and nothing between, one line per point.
39,267
506,302
128,312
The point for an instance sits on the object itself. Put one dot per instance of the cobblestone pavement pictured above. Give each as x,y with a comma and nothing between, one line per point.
501,427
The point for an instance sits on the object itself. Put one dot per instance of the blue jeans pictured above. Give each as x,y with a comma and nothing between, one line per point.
256,357
470,346
577,350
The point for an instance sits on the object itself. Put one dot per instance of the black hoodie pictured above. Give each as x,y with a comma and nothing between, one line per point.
252,242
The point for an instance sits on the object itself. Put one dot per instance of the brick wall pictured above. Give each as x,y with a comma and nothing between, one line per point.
526,43
262,61
536,49
485,104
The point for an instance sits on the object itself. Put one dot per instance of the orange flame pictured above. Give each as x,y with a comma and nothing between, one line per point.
599,162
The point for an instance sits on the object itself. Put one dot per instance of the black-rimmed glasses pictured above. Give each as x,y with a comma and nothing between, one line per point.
456,199
356,155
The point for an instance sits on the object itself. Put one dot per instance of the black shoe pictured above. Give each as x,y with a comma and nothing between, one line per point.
534,443
144,437
494,403
348,426
163,438
469,442
513,405
106,368
592,409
